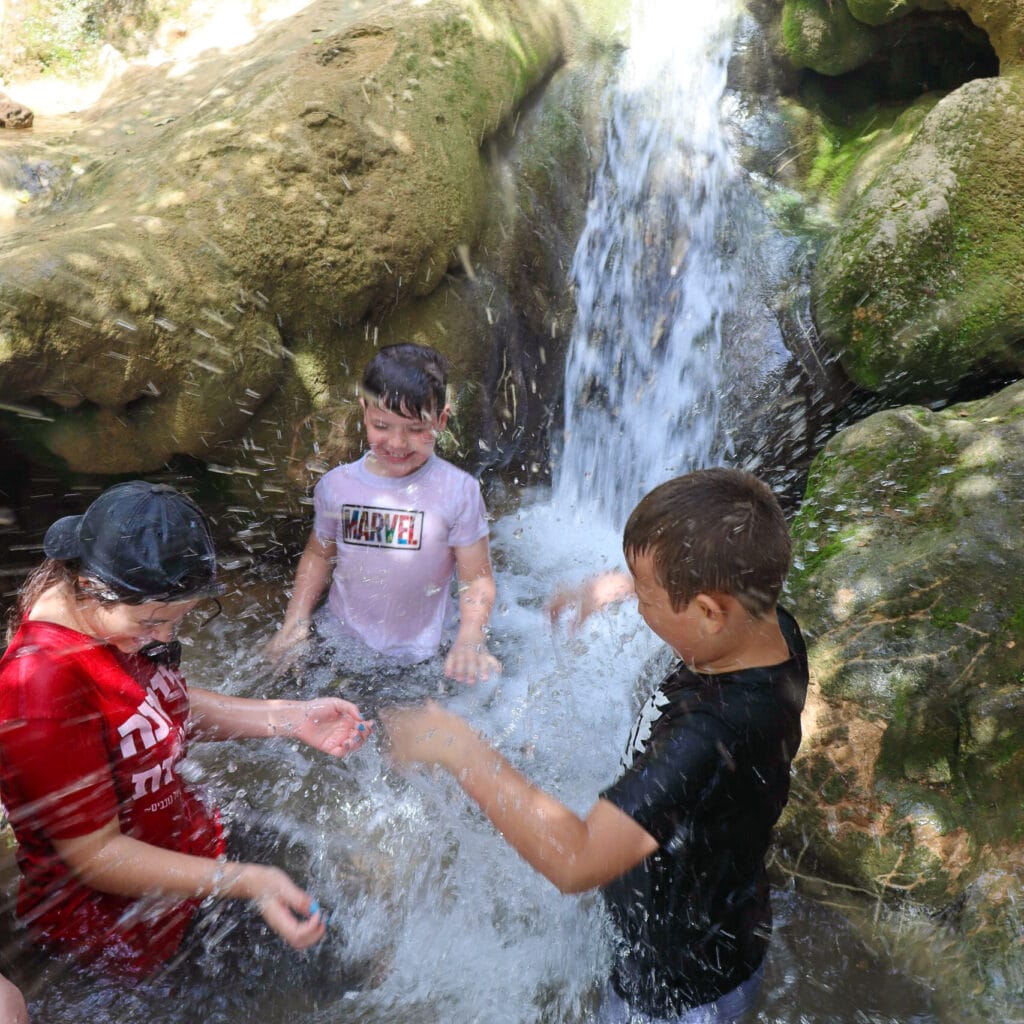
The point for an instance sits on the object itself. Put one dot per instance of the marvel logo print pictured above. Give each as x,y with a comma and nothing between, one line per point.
381,527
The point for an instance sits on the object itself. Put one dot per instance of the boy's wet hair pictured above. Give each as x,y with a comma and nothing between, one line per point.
715,531
407,379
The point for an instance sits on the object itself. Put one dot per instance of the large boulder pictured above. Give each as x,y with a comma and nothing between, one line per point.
217,254
922,283
908,560
919,286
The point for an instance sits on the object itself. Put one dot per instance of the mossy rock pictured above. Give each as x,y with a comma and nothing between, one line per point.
825,37
922,285
908,556
1003,21
198,252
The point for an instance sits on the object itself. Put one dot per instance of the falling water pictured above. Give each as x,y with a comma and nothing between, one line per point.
654,278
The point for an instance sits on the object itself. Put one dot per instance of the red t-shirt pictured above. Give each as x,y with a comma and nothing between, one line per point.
87,733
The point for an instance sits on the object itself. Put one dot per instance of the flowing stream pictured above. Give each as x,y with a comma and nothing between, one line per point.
457,929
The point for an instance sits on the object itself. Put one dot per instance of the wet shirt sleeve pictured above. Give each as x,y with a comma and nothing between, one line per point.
678,773
56,764
325,511
470,521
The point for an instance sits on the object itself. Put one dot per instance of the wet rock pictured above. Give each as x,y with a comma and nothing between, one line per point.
13,114
825,37
908,557
216,251
922,284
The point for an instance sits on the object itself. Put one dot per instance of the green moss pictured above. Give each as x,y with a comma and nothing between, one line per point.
1015,623
878,12
949,617
833,789
824,37
64,37
851,134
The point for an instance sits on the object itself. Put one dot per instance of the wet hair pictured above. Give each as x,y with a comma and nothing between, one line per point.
407,379
715,531
52,572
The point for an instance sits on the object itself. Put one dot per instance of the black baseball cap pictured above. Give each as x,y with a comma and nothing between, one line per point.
147,542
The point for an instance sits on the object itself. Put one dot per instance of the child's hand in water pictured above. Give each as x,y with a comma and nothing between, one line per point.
286,644
287,910
592,595
426,735
469,661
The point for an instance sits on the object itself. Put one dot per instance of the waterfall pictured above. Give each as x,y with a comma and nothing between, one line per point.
654,273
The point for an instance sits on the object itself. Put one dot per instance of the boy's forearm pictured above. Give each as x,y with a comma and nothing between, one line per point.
542,830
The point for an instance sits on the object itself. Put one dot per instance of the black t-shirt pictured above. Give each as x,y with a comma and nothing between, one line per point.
706,773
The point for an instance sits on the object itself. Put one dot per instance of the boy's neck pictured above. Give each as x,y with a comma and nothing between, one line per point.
747,643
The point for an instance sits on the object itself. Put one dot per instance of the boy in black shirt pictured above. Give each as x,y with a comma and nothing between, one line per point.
678,842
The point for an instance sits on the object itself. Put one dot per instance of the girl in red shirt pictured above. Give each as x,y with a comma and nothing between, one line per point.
115,850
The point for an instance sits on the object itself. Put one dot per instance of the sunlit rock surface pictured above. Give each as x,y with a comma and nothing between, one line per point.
908,561
215,251
923,282
919,287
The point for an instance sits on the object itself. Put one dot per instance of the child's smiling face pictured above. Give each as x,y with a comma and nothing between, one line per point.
399,445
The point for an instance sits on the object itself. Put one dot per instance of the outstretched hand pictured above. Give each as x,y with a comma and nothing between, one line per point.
592,595
328,723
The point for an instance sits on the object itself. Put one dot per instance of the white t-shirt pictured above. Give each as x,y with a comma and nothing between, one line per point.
395,538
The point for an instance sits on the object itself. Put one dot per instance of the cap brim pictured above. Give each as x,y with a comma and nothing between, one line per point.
61,540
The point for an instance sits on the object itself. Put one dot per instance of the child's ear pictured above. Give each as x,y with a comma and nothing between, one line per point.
713,611
442,419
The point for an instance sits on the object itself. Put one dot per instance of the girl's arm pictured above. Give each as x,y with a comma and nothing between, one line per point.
112,862
12,1003
328,723
469,659
311,579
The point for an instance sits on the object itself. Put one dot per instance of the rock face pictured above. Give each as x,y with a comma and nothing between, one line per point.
202,259
923,282
909,555
13,114
920,285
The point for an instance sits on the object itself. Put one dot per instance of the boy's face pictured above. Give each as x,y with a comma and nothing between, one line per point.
688,630
399,444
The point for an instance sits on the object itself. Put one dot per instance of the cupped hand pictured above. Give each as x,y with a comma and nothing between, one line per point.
329,724
470,662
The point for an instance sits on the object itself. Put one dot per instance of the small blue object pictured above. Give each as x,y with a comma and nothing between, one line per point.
362,728
325,915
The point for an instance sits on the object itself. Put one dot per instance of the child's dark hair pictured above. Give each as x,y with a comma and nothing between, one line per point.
713,531
408,379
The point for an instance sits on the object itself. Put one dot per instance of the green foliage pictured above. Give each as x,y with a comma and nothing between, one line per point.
64,37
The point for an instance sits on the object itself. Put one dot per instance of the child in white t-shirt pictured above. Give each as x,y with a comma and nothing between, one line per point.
391,529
